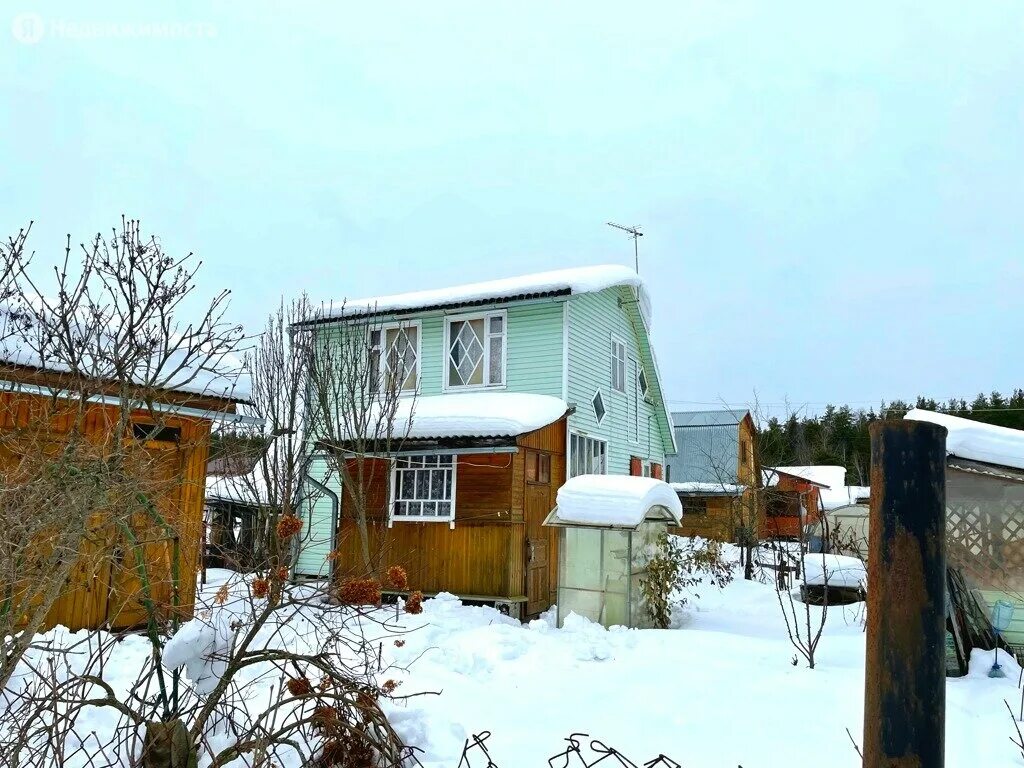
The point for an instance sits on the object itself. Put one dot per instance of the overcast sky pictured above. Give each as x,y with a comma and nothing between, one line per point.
832,200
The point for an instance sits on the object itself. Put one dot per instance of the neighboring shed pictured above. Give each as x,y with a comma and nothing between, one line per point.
714,472
608,529
985,509
104,588
236,511
793,497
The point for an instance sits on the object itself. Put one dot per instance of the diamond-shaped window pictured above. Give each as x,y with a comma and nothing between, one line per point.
642,381
599,410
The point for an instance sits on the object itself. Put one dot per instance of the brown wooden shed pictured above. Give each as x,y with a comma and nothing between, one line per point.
104,589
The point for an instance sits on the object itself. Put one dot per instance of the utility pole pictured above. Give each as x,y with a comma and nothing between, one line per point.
634,232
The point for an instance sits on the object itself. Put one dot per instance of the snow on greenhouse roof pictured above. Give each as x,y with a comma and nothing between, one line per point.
614,501
476,414
562,281
977,441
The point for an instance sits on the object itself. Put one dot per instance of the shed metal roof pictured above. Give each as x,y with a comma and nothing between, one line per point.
717,418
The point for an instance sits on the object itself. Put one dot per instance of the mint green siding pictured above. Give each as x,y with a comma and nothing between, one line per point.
594,319
317,537
535,349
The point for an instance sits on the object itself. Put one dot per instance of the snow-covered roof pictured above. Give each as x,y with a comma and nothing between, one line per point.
22,343
250,488
977,441
568,281
843,496
694,487
828,476
614,501
476,414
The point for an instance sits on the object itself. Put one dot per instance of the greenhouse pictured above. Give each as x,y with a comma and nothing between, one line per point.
609,527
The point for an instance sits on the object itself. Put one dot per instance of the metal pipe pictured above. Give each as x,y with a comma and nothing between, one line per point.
905,673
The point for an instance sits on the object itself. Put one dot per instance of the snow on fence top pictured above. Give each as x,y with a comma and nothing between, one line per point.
976,441
571,281
476,414
613,501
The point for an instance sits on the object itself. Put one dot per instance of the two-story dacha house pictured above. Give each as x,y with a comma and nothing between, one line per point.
513,385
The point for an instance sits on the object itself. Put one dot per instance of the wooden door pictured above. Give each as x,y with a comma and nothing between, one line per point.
125,607
538,504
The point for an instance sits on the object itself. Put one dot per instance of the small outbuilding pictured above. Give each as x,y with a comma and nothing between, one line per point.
608,532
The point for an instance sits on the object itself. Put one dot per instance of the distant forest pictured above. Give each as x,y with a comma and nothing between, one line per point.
840,434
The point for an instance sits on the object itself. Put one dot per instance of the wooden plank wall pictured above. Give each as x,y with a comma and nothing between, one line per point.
102,588
484,554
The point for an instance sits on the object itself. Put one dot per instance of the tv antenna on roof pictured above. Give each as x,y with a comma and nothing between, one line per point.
634,232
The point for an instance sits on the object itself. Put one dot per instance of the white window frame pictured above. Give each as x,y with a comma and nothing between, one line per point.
633,367
383,328
581,438
642,375
446,386
393,500
618,344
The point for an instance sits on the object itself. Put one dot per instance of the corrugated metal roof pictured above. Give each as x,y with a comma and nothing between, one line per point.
718,417
706,454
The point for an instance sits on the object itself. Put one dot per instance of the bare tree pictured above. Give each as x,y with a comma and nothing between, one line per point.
277,368
363,383
85,353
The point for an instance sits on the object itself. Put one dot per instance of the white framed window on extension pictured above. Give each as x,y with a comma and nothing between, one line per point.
587,455
476,349
634,401
618,358
423,488
394,350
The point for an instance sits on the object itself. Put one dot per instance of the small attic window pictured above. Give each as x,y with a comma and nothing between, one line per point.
642,379
599,410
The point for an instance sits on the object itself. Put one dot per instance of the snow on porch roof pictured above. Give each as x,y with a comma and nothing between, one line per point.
476,414
976,441
562,281
614,501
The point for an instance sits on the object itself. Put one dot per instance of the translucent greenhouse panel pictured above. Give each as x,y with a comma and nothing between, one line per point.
645,546
579,574
615,577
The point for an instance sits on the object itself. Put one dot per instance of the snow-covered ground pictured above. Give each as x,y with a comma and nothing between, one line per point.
718,691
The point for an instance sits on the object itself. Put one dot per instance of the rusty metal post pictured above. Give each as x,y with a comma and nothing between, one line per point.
905,675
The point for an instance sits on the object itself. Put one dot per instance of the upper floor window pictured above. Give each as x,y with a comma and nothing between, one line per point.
395,356
618,365
642,381
476,350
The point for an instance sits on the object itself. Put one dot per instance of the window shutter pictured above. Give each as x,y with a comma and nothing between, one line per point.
656,471
636,466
